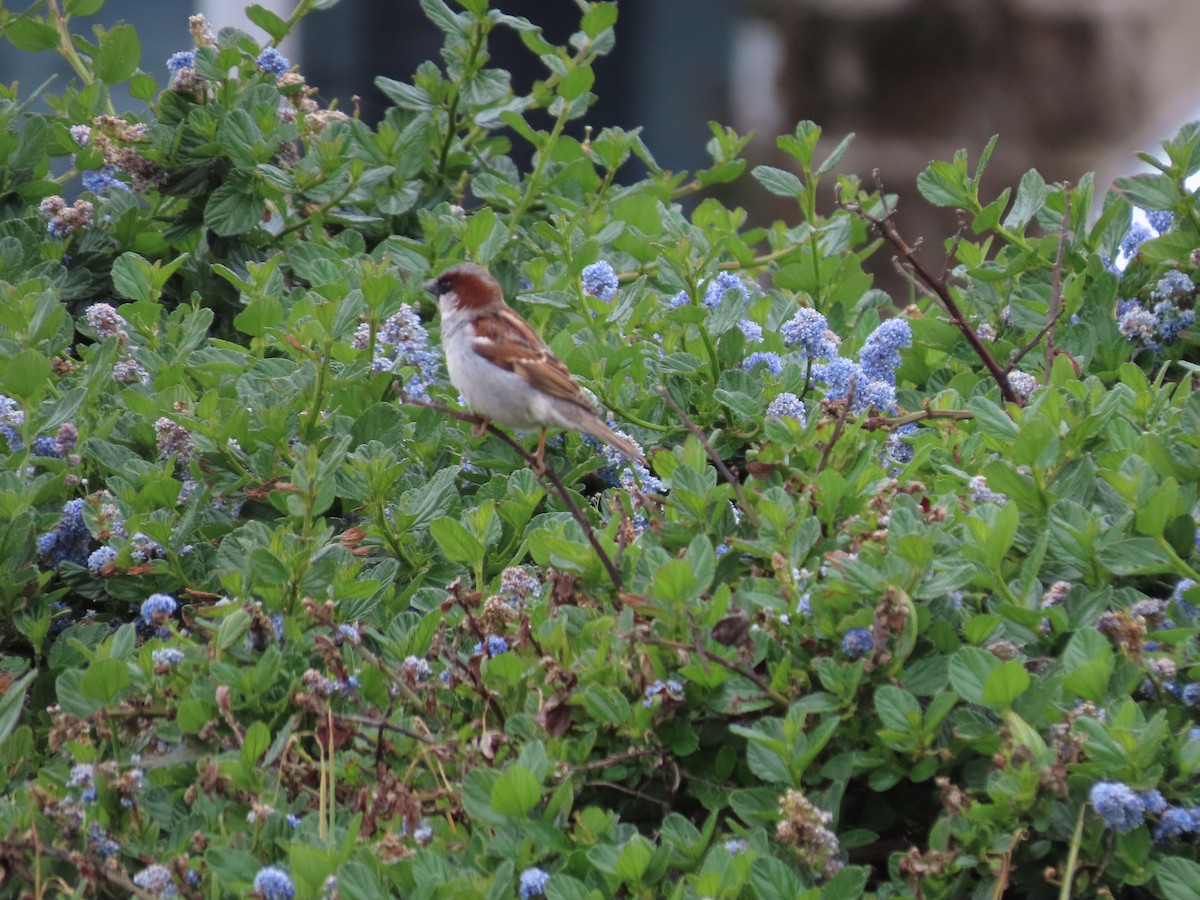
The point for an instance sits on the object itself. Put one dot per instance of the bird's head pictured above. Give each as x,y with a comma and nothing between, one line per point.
464,287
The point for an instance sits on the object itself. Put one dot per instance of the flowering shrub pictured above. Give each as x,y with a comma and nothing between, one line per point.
903,606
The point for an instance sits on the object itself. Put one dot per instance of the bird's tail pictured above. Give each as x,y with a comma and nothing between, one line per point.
625,446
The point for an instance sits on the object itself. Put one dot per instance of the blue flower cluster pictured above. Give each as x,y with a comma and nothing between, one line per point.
809,329
12,417
184,59
273,883
1122,808
752,330
271,60
856,642
787,406
718,287
157,608
144,548
533,882
772,361
402,341
155,880
495,646
100,181
600,280
874,375
1162,324
167,657
69,540
671,689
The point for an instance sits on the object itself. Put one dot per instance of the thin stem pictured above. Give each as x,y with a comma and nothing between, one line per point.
477,35
535,177
1064,892
1181,566
549,474
936,283
1056,280
66,46
956,415
837,428
749,674
749,511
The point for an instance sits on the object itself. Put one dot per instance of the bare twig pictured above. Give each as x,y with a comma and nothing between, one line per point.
936,283
893,422
1052,315
837,428
548,473
383,725
749,674
719,463
1056,280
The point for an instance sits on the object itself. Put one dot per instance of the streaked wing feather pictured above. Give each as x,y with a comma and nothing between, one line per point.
506,340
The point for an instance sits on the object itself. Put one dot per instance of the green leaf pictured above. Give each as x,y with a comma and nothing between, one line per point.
1174,246
577,83
25,373
30,34
104,680
516,792
142,86
848,884
443,17
11,704
772,880
260,316
1149,191
897,708
120,53
1005,684
1179,878
993,420
257,740
1031,197
970,669
234,208
674,582
946,183
634,859
778,181
267,20
458,544
131,277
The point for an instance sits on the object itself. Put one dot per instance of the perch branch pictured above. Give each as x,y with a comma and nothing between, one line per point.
719,463
937,283
548,473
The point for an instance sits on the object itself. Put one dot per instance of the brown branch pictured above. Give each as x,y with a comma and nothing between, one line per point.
547,472
1055,311
837,428
719,463
85,865
937,283
894,422
749,674
615,760
383,725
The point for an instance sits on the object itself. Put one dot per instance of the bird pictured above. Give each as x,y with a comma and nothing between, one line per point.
505,372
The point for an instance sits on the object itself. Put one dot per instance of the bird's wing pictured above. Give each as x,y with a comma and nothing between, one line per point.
506,340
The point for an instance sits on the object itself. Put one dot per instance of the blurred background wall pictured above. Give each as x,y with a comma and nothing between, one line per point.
1069,85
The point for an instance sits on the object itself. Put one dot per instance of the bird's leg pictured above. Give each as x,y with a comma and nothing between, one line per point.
539,463
480,428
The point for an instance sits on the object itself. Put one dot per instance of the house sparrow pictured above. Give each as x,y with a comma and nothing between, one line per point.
505,371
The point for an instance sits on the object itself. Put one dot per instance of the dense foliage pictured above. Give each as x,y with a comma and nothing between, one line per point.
903,607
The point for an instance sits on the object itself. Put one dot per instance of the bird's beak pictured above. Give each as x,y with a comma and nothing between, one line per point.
430,287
